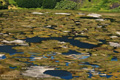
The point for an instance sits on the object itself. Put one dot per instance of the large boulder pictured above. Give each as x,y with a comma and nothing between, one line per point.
37,71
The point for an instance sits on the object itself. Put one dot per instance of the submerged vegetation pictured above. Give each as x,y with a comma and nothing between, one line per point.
37,44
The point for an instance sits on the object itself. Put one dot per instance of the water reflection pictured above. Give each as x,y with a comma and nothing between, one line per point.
59,73
8,49
65,39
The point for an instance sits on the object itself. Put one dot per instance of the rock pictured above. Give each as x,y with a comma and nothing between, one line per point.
1,33
113,36
102,74
99,19
58,53
5,41
2,56
20,42
25,44
118,33
66,31
99,26
64,13
49,26
64,46
37,57
37,71
113,44
37,13
94,15
62,42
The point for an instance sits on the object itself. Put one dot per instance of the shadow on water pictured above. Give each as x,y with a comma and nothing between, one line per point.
115,51
88,17
111,20
65,39
59,73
